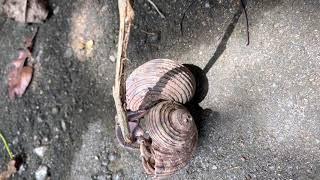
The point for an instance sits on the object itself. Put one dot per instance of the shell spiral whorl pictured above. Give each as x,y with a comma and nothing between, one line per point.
160,87
174,138
159,79
169,124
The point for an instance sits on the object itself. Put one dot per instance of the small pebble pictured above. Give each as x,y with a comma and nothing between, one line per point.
55,110
68,53
56,129
104,163
101,177
109,176
118,175
27,119
39,119
207,5
113,156
40,151
41,173
22,168
15,140
63,125
45,140
112,58
56,10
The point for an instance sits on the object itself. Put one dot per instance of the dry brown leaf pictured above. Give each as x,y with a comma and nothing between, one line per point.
11,169
19,76
26,11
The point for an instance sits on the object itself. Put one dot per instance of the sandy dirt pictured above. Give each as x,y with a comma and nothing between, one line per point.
259,120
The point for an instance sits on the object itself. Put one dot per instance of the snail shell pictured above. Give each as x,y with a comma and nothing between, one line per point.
159,79
173,136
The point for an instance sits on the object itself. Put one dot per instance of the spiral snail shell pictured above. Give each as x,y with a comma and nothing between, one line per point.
173,135
157,90
159,79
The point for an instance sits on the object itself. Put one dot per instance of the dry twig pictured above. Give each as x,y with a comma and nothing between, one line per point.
157,9
119,89
247,22
184,14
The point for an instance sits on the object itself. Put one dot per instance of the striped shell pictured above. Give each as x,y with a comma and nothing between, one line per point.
159,79
173,136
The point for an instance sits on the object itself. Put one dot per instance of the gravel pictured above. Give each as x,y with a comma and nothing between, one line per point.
40,151
112,58
41,173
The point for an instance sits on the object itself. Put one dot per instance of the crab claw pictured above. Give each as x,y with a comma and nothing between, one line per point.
135,130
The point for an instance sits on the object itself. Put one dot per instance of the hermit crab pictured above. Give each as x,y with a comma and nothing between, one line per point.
163,129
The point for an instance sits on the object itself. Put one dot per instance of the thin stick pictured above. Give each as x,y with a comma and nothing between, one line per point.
149,33
156,8
184,14
6,146
247,22
119,89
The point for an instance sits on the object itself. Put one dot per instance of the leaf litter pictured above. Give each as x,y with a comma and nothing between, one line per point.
11,170
19,74
12,166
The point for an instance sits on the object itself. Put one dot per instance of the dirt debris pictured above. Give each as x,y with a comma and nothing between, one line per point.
85,31
26,11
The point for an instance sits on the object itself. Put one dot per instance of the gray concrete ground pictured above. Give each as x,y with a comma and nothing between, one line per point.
259,120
